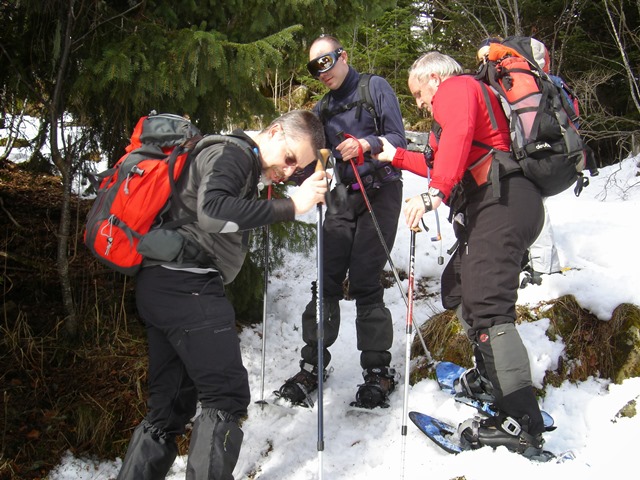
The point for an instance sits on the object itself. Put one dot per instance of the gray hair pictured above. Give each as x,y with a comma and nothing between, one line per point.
302,125
434,62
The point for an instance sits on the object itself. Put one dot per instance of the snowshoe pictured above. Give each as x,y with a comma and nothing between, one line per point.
471,388
374,392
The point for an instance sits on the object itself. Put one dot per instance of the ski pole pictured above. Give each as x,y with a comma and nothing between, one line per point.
323,156
262,402
438,237
379,231
407,359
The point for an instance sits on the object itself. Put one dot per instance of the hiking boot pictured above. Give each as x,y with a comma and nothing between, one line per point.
298,388
504,431
378,383
473,385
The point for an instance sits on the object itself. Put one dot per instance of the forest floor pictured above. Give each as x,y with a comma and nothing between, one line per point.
83,393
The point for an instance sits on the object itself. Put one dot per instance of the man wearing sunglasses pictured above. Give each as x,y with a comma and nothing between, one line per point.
194,352
352,247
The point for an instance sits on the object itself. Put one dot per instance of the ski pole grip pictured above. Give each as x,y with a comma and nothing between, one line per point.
323,157
416,229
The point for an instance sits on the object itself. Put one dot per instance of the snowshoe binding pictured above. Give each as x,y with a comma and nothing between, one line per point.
378,383
502,430
474,385
297,390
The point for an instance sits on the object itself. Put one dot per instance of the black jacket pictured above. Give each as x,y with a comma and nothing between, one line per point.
221,186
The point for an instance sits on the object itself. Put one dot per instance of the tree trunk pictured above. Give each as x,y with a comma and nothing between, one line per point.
71,319
63,162
41,138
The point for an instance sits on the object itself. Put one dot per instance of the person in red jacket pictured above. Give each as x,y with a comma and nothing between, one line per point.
496,213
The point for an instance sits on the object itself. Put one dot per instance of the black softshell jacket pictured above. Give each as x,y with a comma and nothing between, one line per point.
221,186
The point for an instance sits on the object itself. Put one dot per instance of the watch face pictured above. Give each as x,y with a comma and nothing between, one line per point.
434,192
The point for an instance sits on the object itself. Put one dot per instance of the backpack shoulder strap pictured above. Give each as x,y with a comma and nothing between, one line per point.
214,139
323,110
186,147
487,100
366,100
250,151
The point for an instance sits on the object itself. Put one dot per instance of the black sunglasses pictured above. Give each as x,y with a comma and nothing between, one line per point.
324,63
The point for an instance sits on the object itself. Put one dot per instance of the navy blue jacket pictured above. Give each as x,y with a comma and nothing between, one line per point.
389,118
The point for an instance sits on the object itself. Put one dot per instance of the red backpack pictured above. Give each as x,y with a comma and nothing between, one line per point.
136,190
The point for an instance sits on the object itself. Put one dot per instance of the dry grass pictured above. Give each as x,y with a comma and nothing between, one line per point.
85,398
606,349
444,337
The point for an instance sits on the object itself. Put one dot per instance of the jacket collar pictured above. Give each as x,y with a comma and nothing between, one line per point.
349,85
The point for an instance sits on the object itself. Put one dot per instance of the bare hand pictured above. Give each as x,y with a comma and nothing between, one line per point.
388,151
414,209
310,193
349,148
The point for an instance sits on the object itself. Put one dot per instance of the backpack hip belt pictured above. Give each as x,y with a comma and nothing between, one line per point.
487,171
377,178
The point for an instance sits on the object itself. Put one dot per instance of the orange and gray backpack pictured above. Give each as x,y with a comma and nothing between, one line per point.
544,136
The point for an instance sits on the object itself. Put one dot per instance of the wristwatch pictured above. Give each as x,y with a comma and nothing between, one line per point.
434,192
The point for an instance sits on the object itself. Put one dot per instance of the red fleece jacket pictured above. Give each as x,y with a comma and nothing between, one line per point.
460,109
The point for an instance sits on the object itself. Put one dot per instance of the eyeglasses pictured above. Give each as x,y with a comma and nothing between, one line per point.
324,63
290,158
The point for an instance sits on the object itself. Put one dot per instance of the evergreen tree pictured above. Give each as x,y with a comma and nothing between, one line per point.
103,64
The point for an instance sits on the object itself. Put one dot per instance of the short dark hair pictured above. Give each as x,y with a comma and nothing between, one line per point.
335,43
488,41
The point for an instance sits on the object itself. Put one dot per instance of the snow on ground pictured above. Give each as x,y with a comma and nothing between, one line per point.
596,237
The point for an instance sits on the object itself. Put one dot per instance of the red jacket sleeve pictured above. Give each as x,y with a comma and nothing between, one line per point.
414,162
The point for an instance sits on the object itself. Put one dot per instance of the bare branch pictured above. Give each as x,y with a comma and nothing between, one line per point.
634,88
78,41
13,220
14,131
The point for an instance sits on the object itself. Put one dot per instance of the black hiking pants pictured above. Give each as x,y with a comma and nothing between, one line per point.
481,280
194,350
194,355
352,249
